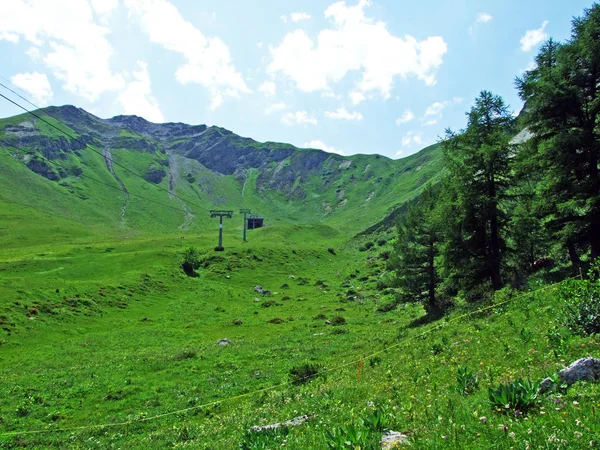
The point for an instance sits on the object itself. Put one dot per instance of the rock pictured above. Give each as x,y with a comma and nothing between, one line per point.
256,300
285,286
393,439
546,385
266,293
258,289
296,421
228,277
224,342
584,369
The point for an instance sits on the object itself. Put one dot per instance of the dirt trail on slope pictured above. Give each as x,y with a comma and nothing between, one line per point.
108,160
173,178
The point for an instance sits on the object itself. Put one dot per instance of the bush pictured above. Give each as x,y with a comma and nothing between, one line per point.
277,320
366,246
580,306
381,242
518,395
190,262
304,373
338,320
331,250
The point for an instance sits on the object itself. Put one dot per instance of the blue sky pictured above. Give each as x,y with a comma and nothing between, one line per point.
379,76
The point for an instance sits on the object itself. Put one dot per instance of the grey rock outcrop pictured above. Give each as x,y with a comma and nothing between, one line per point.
584,369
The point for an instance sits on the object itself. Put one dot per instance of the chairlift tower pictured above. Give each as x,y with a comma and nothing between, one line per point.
245,211
220,214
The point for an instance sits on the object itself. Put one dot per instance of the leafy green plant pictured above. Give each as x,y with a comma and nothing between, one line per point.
519,395
467,381
352,436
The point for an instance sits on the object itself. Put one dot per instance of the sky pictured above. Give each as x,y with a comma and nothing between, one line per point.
357,76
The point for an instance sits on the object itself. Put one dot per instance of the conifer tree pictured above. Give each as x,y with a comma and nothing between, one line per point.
416,249
562,95
478,164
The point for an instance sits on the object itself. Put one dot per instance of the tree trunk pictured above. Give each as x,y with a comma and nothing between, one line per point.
431,305
573,256
494,238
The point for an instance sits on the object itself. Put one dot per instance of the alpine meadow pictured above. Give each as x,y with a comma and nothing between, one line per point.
165,285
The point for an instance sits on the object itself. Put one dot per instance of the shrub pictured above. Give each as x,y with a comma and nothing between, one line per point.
381,242
304,373
237,321
366,246
580,310
277,320
320,317
331,250
338,320
190,262
268,303
518,395
467,381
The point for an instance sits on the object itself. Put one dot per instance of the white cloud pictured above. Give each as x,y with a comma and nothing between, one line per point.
483,18
259,44
137,96
36,84
269,88
407,116
283,18
356,97
298,118
412,138
534,37
280,106
430,122
322,146
400,153
355,43
342,113
298,16
436,108
104,7
75,47
208,61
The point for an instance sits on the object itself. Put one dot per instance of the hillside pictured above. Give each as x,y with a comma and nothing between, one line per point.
90,174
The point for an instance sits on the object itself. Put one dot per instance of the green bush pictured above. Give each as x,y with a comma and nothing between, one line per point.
580,311
304,373
190,262
338,320
518,395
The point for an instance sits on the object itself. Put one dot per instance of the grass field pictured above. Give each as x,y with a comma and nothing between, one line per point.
104,328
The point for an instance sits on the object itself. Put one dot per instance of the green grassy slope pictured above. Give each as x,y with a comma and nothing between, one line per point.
111,331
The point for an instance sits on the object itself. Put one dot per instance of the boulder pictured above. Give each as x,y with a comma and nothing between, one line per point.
258,289
224,342
546,385
393,439
584,369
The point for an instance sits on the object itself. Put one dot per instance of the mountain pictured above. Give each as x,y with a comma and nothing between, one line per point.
72,164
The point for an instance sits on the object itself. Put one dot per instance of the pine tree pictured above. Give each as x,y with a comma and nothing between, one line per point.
416,249
478,163
563,113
